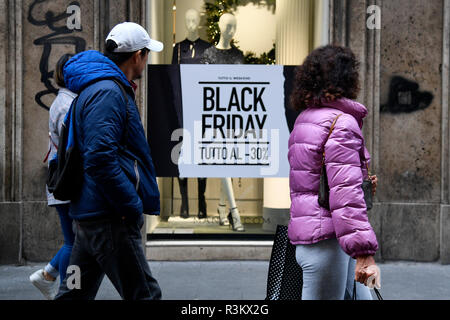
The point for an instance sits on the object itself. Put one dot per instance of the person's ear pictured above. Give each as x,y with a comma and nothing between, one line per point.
136,56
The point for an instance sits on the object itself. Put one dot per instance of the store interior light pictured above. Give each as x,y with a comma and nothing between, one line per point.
174,7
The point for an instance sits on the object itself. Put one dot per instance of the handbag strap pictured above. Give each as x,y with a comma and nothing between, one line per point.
377,292
333,125
50,148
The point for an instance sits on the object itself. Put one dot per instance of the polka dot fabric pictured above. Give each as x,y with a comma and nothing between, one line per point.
285,278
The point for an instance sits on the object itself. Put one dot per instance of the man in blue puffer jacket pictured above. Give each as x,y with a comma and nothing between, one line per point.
119,183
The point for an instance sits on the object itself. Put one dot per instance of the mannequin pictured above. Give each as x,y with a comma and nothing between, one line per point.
190,51
226,53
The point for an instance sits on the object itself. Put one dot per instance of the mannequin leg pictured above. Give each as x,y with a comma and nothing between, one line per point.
228,190
201,198
234,216
184,210
221,209
223,195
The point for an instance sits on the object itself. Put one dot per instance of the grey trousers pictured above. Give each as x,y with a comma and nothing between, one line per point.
328,272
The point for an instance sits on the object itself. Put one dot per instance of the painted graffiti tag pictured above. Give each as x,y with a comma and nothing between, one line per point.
59,35
405,97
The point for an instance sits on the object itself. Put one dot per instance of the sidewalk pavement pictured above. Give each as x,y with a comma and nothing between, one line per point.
240,280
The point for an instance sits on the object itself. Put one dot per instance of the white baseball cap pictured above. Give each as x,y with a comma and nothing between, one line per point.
131,37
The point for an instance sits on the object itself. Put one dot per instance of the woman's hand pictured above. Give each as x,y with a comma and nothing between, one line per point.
374,180
361,272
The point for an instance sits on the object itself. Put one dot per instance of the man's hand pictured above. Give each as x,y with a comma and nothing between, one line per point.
374,180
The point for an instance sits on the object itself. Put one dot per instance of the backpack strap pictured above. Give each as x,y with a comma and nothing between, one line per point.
50,148
73,118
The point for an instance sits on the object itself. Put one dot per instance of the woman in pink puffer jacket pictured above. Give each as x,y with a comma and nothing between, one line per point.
328,242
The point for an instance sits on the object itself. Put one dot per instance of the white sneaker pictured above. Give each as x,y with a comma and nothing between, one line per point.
48,288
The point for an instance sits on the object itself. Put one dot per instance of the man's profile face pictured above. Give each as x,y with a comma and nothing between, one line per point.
141,63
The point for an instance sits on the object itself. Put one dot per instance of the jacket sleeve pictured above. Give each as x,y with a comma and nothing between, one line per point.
367,159
345,177
104,119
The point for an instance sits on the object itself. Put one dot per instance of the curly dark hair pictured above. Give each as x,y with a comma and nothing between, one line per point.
328,73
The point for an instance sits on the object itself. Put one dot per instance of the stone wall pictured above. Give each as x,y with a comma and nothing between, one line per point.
408,140
35,35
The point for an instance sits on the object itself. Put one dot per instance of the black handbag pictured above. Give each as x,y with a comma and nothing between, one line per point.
285,277
324,188
367,188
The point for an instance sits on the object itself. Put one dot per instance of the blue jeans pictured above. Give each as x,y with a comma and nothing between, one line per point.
328,272
60,261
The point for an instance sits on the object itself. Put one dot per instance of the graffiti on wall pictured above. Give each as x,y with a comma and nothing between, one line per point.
58,34
405,97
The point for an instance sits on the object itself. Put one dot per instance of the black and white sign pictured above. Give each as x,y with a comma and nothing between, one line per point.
233,120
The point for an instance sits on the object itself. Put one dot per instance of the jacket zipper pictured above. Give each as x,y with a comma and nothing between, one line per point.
136,171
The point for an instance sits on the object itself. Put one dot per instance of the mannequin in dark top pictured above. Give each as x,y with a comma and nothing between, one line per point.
190,51
213,55
225,53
